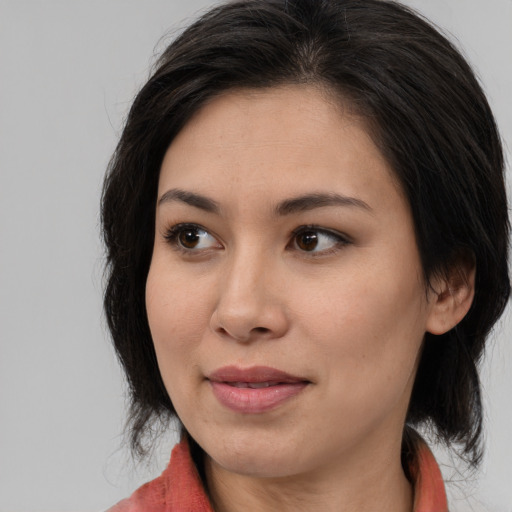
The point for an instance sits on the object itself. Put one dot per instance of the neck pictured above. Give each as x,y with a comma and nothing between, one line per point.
372,482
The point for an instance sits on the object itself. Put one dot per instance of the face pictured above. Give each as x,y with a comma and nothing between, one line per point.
285,296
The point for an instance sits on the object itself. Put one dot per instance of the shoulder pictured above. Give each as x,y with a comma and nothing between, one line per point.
151,497
177,489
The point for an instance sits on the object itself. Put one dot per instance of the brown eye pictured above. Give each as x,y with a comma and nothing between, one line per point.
317,240
307,240
189,238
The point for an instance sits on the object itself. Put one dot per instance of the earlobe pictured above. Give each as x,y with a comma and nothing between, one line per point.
451,297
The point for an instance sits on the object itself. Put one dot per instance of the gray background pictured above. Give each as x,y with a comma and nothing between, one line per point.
68,71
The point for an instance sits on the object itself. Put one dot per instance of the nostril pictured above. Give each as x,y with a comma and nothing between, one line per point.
254,331
261,330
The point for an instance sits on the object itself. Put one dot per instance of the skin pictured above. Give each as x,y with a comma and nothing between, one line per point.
349,316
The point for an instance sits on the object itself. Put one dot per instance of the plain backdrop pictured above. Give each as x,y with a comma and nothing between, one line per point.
68,71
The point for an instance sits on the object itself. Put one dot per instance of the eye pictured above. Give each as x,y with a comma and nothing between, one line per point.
317,240
191,237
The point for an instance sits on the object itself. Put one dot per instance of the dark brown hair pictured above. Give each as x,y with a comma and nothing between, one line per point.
427,114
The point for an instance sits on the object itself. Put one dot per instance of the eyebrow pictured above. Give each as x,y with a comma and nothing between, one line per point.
318,200
190,198
287,207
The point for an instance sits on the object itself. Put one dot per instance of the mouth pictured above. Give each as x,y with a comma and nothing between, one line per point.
253,385
254,390
253,375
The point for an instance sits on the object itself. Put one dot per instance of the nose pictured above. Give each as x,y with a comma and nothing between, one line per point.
250,301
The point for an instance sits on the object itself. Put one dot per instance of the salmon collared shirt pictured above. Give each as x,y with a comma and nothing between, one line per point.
179,487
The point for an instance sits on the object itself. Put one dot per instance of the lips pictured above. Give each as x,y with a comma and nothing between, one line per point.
254,390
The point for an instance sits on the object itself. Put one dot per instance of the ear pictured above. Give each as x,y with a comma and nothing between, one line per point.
451,296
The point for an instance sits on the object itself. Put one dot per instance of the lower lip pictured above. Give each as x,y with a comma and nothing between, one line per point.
254,401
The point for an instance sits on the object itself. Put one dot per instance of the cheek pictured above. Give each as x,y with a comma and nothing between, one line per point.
369,325
178,314
369,347
177,298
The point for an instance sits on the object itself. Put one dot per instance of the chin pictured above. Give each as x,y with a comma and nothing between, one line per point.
255,459
257,465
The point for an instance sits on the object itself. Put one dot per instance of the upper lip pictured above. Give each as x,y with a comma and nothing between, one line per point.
252,374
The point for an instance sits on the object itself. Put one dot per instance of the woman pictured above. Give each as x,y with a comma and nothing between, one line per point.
307,234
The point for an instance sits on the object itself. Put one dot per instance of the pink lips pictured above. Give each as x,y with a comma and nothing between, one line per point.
254,390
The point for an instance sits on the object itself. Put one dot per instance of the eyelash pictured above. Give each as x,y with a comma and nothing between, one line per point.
340,240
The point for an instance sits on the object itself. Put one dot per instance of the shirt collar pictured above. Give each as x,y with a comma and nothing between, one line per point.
429,491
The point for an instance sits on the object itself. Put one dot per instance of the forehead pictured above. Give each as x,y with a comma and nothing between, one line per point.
286,114
291,139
